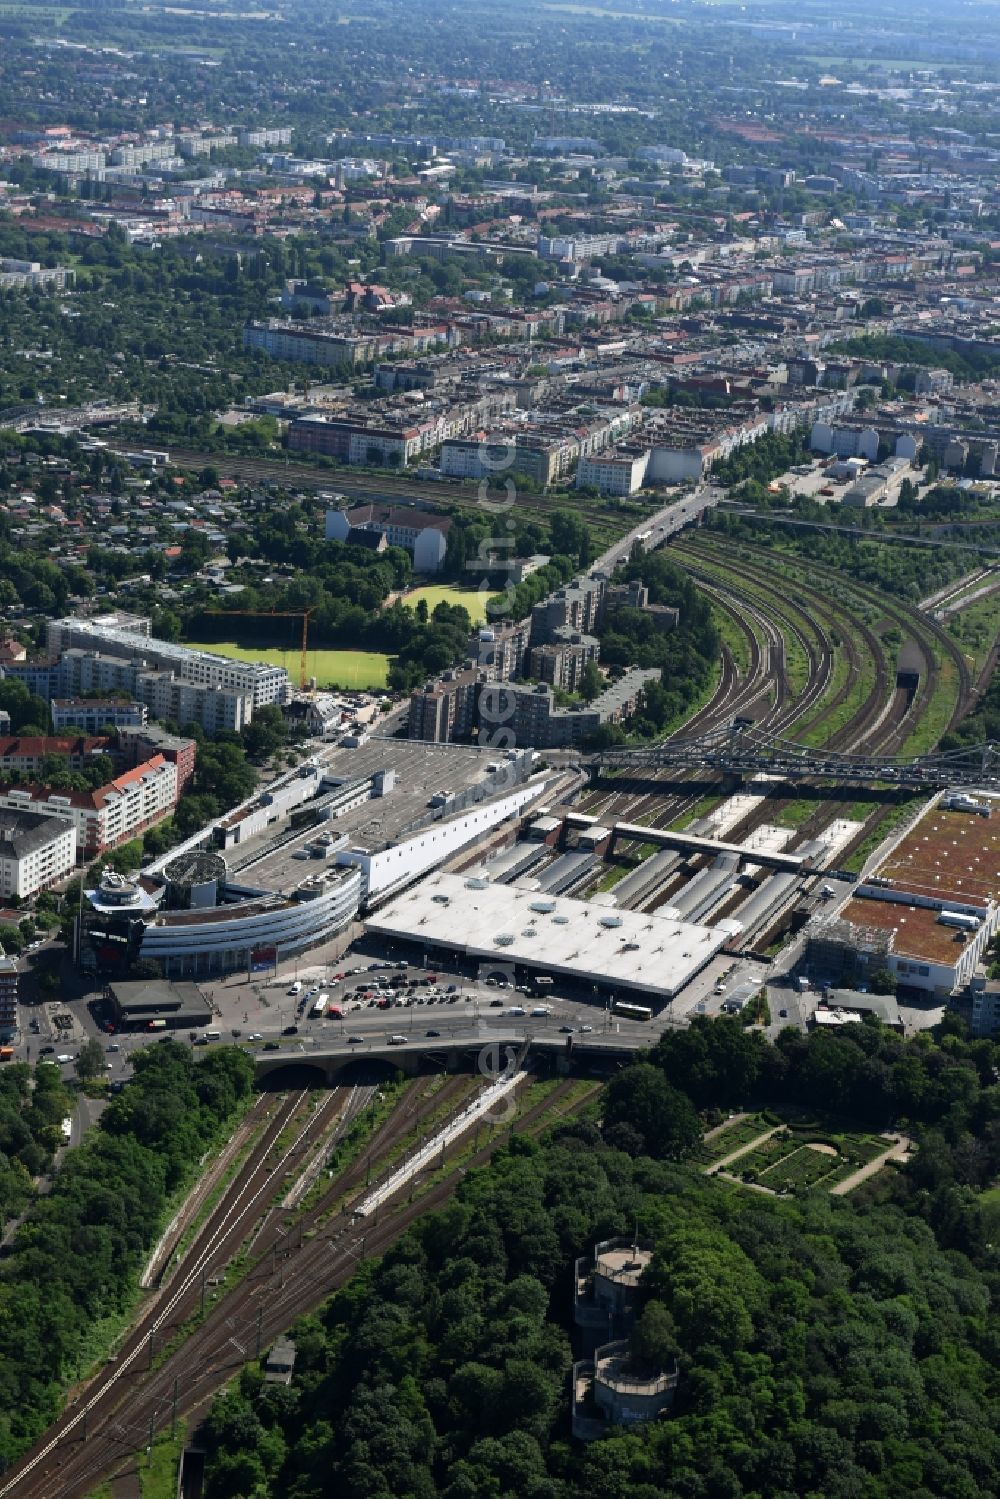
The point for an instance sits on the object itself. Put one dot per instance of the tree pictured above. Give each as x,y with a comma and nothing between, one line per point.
641,1097
591,682
266,733
89,1061
653,1341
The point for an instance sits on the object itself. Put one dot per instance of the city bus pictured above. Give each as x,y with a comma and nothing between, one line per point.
632,1012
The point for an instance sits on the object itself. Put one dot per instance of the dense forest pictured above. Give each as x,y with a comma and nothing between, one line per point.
75,1260
761,461
971,364
982,723
828,1347
906,572
33,1105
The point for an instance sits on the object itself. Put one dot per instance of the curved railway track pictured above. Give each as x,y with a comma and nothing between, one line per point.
887,718
824,614
757,563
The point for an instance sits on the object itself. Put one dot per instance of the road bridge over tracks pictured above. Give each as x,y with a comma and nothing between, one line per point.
489,1053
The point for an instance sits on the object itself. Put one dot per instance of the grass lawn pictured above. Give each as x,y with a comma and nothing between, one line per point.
353,669
159,1479
471,599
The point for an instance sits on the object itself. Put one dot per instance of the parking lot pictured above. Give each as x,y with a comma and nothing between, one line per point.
277,859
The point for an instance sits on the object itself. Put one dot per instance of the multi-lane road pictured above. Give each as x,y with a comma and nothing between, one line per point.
656,529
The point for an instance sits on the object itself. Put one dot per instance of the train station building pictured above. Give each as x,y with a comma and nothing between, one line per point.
641,955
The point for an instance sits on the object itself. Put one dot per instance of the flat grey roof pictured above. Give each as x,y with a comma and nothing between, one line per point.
159,997
579,939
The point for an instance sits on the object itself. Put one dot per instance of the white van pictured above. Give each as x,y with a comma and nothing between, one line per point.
296,987
397,1040
213,1035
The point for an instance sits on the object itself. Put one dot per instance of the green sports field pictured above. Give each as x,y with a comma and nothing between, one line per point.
469,598
353,669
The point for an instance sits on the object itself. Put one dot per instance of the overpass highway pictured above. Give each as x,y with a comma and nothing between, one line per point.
656,529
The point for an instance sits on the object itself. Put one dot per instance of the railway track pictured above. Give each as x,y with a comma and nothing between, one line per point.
211,1250
888,715
278,1289
355,483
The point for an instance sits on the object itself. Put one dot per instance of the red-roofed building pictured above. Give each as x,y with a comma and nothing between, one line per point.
113,814
24,752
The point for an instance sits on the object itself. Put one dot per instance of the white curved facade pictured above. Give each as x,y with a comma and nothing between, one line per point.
200,943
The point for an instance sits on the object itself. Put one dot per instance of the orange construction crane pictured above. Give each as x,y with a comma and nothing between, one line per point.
302,614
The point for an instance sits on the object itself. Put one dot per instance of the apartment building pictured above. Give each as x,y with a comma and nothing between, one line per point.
685,443
80,159
494,454
385,445
845,442
159,693
446,709
500,650
561,663
134,745
215,708
621,471
308,345
35,852
92,715
272,135
577,606
527,717
23,754
9,988
195,668
136,154
109,816
29,275
343,344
